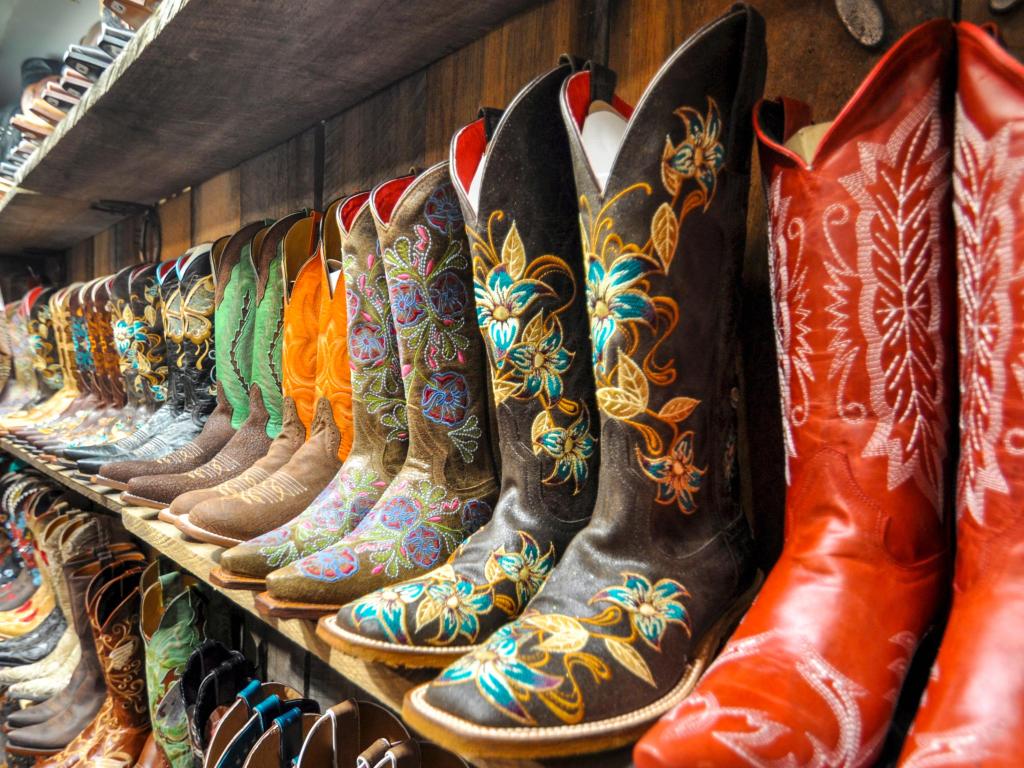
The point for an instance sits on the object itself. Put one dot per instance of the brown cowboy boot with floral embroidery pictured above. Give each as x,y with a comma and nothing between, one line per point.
647,592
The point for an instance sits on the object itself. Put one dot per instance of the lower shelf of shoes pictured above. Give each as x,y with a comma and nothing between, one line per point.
384,683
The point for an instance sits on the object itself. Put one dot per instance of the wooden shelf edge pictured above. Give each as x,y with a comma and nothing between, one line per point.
104,498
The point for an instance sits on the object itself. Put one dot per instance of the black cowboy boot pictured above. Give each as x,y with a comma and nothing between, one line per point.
644,596
531,308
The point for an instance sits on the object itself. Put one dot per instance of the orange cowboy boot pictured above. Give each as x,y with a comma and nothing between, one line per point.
861,256
973,710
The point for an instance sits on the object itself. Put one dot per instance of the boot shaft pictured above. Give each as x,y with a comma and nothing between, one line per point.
46,361
861,278
529,282
101,338
268,327
233,320
127,331
427,265
988,169
333,371
189,326
150,350
379,418
301,282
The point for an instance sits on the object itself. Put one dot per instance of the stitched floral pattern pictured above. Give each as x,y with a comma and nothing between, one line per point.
540,656
44,347
428,302
527,352
622,309
445,607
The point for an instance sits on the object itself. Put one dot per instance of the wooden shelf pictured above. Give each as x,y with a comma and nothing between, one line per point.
207,84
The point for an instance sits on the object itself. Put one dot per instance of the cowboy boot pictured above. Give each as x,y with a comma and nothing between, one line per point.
270,412
282,496
6,359
379,440
149,351
528,303
21,388
447,486
239,440
280,745
860,271
643,596
70,717
973,708
189,338
345,731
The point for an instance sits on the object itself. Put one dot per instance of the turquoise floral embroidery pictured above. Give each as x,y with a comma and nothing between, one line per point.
452,602
700,155
571,449
500,675
527,351
612,300
650,607
429,304
541,657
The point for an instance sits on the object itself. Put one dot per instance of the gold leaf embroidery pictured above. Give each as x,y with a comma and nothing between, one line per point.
492,571
513,253
678,409
630,658
632,380
618,403
665,234
564,634
541,423
427,611
503,389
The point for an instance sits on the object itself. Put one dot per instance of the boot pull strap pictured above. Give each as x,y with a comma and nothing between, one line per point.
572,61
491,116
602,82
290,744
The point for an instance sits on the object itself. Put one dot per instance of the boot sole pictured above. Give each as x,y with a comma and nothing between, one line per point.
228,580
284,609
471,740
140,501
166,516
378,651
201,534
30,752
108,483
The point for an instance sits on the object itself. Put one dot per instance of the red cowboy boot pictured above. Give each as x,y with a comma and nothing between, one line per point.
973,710
861,245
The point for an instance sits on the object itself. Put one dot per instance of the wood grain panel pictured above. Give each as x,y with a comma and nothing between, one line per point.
376,140
278,181
217,207
1011,25
104,256
490,71
80,261
175,225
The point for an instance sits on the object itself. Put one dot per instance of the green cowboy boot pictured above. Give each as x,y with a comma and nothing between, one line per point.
172,628
531,309
242,440
380,437
447,485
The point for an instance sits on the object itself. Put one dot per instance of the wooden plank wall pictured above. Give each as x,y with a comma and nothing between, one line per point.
410,123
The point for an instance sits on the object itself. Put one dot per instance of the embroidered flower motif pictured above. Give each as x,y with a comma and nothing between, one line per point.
700,155
407,305
448,296
501,301
387,607
499,674
540,359
677,476
527,568
367,343
454,603
398,512
329,565
442,210
422,545
612,299
127,333
651,608
571,448
445,398
475,513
